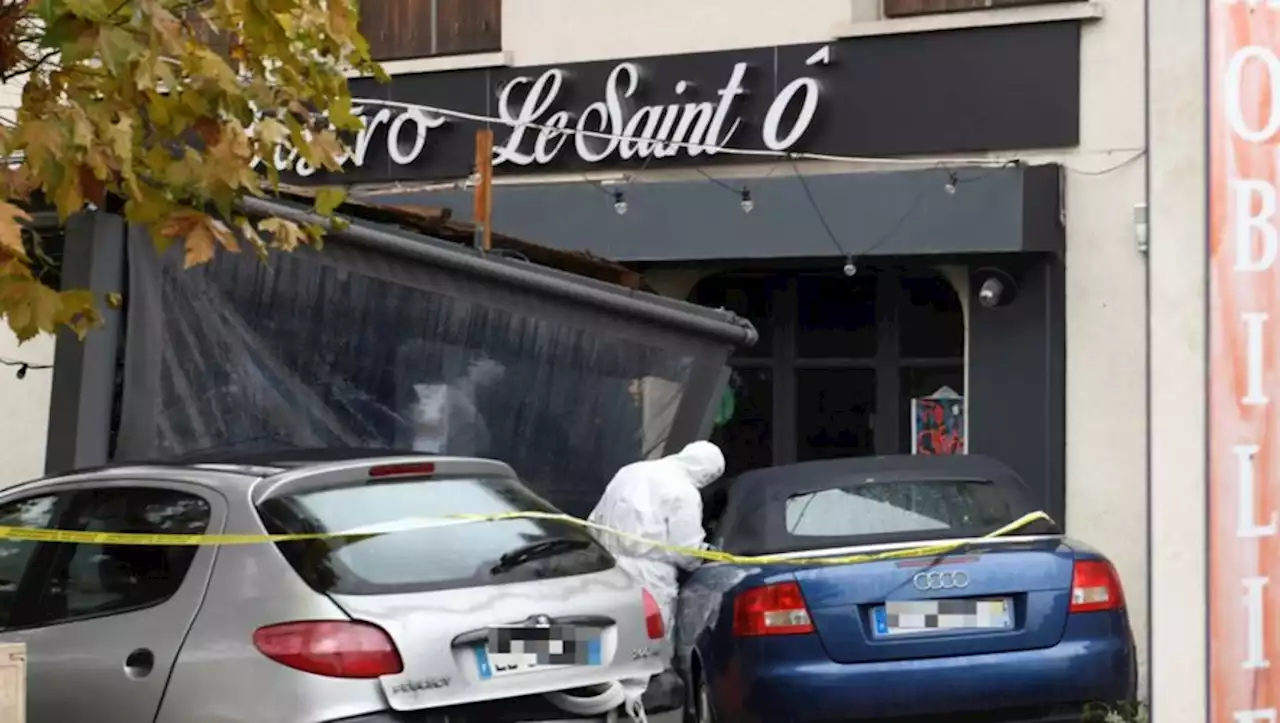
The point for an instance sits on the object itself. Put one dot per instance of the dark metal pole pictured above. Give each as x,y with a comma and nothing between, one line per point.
84,373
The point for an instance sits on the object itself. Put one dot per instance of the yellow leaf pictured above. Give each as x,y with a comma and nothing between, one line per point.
32,308
113,117
114,301
199,246
69,198
178,225
340,19
120,137
77,311
11,229
225,236
327,149
284,234
328,199
41,139
271,131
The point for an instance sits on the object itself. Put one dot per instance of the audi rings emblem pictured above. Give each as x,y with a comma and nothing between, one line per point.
941,580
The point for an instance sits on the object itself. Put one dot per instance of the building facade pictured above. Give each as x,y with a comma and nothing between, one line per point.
932,197
900,156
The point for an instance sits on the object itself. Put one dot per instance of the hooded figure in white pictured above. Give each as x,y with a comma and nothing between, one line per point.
659,500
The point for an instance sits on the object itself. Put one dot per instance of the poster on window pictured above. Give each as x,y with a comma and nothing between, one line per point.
937,423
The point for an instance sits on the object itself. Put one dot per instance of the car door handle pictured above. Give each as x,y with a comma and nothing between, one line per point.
139,663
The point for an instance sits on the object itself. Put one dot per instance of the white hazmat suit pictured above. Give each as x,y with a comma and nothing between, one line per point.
659,500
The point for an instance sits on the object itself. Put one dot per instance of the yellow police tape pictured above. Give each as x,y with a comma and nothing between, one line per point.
132,538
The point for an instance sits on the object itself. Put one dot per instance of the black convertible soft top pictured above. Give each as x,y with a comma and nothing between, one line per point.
754,503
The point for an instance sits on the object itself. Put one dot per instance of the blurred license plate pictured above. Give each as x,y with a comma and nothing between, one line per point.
510,651
924,616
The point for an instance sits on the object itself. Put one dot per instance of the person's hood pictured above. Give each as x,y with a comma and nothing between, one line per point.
702,460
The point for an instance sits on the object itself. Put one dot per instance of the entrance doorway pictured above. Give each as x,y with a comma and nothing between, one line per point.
838,362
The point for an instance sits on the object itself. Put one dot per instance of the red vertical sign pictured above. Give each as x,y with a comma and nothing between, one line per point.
1244,387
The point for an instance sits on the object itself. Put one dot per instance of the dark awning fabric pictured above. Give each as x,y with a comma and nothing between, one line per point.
897,213
565,378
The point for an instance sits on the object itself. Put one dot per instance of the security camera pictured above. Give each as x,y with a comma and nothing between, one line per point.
995,287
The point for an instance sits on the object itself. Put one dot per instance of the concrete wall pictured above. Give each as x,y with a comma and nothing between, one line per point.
24,408
1178,361
1106,301
1106,309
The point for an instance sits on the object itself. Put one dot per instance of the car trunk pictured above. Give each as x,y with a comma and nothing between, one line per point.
438,590
440,636
1032,577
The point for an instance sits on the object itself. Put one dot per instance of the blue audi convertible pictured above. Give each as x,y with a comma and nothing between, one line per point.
1026,628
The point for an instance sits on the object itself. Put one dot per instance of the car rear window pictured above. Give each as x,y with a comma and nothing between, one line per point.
434,558
900,509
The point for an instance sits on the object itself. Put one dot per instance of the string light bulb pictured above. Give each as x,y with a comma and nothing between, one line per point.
473,179
850,268
747,204
950,188
619,203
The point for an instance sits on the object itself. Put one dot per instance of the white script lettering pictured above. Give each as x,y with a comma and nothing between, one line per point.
617,126
403,146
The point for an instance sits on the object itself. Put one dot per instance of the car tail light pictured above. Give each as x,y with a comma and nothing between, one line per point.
1095,586
396,470
771,610
653,618
333,648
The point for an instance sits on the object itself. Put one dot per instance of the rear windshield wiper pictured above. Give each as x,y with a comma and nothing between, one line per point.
538,550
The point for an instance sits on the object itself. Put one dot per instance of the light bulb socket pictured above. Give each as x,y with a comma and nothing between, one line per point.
952,183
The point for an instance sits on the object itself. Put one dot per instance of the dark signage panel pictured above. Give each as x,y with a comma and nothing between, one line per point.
981,89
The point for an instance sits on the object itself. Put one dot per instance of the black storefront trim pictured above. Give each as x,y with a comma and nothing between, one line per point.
967,90
901,213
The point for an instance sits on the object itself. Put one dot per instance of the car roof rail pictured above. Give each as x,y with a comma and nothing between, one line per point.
329,475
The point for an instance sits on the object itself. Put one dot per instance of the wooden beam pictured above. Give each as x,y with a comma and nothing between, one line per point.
484,189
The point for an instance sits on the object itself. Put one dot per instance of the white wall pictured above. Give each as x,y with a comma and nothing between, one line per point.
1106,310
24,408
1178,370
1106,399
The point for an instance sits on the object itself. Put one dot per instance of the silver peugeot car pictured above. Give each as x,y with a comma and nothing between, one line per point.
512,620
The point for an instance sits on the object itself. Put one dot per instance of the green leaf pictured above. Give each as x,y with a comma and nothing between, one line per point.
137,105
329,198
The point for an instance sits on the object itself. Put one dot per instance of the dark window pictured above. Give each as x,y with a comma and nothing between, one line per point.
92,580
745,433
837,317
436,558
901,509
839,358
835,409
748,297
16,554
927,317
399,29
